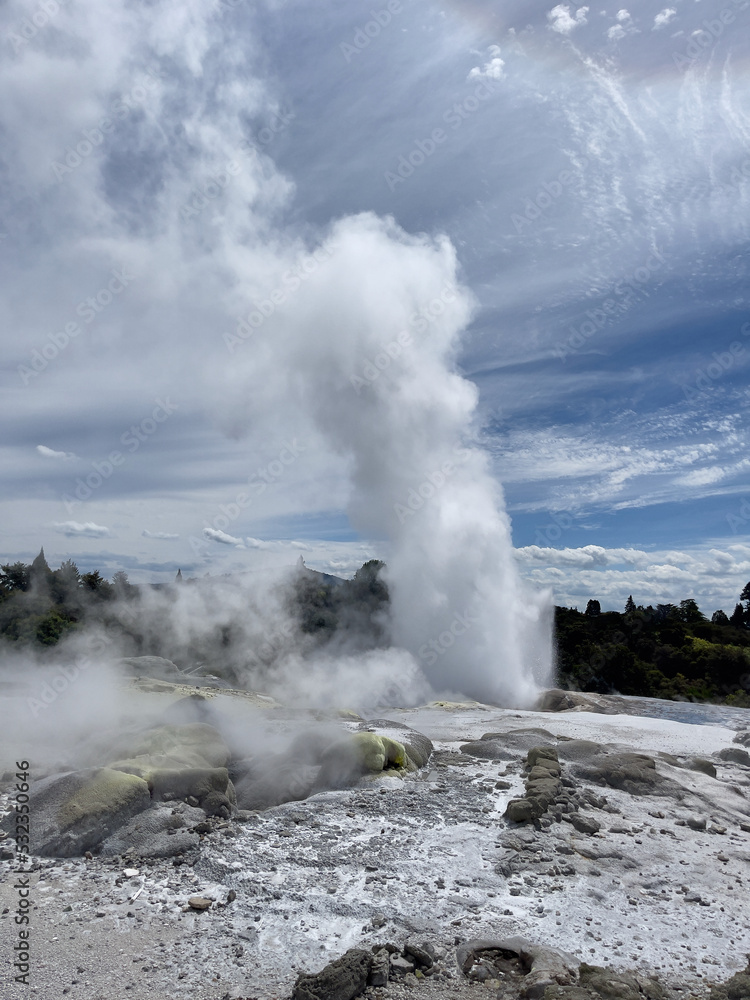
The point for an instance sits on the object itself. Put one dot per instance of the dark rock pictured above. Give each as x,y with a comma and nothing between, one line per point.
419,953
736,988
343,979
701,764
522,811
696,822
619,985
743,738
633,772
379,969
402,965
584,824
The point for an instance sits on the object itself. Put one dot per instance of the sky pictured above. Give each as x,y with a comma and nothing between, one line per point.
196,202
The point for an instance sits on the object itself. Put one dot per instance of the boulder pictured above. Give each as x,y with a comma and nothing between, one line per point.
633,772
359,754
160,832
418,747
343,979
743,738
74,812
736,755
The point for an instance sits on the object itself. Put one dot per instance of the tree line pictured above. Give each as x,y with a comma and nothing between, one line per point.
669,651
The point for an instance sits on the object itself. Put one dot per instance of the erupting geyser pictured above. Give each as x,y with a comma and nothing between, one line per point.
366,351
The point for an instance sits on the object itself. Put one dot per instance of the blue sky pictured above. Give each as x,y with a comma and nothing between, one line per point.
590,166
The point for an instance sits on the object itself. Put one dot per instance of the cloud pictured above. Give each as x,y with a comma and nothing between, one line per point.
46,452
223,537
164,535
560,20
73,529
712,574
494,69
663,18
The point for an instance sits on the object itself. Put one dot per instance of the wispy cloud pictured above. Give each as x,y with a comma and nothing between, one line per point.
163,535
46,452
73,529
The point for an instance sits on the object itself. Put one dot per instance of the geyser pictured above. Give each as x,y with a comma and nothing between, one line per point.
366,353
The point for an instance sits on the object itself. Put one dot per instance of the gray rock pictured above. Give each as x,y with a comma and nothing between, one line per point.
701,764
418,746
744,739
735,755
540,967
633,772
582,823
400,965
379,969
736,988
696,822
419,953
161,832
343,979
76,811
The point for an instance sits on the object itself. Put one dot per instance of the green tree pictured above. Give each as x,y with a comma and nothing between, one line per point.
15,576
690,613
737,618
719,618
593,608
630,606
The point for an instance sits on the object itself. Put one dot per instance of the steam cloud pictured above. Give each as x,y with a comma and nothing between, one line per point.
349,339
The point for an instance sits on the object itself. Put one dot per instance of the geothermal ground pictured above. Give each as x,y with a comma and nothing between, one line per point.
653,879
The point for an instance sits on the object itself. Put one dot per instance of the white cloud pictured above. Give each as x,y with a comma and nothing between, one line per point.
46,452
256,543
560,19
73,529
663,18
164,535
712,576
494,69
615,32
623,15
222,537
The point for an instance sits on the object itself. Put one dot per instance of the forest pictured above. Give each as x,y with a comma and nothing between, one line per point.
669,651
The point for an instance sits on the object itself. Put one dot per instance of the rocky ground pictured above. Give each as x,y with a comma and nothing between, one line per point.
634,865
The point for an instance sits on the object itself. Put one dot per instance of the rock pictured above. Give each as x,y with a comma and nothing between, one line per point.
419,953
418,747
76,811
555,700
400,965
199,903
633,772
487,750
696,822
584,824
343,979
736,988
160,832
521,811
619,985
536,967
379,969
701,764
743,738
359,754
735,755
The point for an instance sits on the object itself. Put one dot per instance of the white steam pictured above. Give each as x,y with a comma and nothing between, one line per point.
365,351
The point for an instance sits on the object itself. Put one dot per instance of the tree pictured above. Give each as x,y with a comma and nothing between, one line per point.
15,576
593,608
690,613
719,618
737,617
630,606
